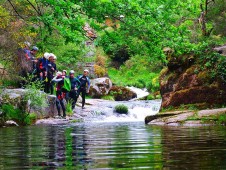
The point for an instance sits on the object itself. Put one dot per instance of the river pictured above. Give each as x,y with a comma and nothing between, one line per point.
116,145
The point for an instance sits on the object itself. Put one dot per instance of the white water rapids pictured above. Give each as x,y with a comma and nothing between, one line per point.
103,111
98,110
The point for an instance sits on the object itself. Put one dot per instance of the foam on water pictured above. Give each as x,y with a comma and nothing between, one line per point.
140,92
135,114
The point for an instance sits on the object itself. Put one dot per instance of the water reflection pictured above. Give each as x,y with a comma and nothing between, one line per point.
112,146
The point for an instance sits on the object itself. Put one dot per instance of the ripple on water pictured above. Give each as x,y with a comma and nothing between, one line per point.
112,146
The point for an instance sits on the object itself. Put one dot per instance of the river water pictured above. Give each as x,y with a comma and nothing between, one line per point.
118,145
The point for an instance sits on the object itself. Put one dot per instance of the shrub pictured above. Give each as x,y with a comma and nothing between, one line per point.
99,71
30,119
21,117
108,97
150,97
121,108
69,110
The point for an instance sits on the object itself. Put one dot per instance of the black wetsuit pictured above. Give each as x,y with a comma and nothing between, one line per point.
60,96
75,84
84,80
51,70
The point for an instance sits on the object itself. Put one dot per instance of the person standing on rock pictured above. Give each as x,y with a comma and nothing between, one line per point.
50,72
75,84
60,95
84,86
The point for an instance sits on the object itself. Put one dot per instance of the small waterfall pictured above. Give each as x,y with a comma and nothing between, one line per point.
135,114
140,92
103,111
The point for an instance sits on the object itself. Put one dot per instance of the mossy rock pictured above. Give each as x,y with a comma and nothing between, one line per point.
122,93
204,77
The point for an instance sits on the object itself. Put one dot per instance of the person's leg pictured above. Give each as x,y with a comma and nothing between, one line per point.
63,107
77,95
58,106
51,88
46,84
83,97
73,98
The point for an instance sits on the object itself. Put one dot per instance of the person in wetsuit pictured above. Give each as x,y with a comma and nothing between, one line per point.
84,86
75,84
60,95
50,73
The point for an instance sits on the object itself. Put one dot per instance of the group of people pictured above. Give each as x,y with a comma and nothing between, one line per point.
78,85
45,70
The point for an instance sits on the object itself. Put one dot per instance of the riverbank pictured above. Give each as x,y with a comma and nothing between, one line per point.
189,118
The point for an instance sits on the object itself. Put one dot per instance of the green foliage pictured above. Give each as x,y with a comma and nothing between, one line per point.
7,83
21,117
133,42
121,108
135,76
150,97
30,119
34,96
222,119
221,68
108,97
69,110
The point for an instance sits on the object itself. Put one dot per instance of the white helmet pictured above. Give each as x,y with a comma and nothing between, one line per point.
52,55
86,70
46,55
72,72
58,73
27,43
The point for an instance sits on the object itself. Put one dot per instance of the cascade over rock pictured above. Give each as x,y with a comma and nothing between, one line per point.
182,82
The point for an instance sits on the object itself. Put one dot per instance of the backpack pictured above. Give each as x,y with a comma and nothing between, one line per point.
67,84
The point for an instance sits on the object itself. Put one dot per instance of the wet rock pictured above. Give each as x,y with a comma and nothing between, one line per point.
122,93
100,87
183,117
15,97
52,121
183,83
11,123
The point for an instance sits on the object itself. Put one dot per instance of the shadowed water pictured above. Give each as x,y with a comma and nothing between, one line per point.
112,146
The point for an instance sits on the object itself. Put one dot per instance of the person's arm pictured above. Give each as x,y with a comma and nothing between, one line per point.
38,66
56,80
78,83
27,54
88,84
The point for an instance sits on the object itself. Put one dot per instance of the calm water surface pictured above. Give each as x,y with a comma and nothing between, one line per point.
112,146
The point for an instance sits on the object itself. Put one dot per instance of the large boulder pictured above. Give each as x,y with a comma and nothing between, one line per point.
100,87
15,97
122,93
185,81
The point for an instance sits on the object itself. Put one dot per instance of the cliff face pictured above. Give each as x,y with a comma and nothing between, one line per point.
187,79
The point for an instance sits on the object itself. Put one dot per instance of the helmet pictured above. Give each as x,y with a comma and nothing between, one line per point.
27,43
72,72
65,71
35,48
46,55
58,73
86,70
52,55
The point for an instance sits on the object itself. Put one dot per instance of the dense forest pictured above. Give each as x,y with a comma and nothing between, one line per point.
130,39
